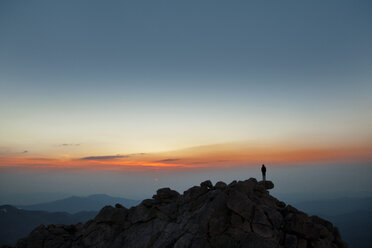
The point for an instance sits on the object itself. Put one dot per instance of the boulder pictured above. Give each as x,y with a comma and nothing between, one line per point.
266,184
220,185
239,214
208,184
165,195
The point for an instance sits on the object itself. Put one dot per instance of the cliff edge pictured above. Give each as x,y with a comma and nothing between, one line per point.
241,214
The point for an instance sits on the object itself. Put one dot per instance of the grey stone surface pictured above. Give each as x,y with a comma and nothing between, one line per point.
240,214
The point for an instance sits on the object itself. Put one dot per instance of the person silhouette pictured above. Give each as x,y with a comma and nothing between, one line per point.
263,170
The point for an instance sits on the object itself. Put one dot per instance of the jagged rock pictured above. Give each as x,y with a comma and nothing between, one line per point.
290,241
302,243
241,214
207,184
302,226
194,192
240,204
109,214
253,240
261,224
165,195
117,205
142,213
267,184
220,185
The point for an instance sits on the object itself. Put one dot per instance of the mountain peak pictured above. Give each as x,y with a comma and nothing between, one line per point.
240,214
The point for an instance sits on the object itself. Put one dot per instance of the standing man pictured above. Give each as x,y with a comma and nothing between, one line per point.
263,170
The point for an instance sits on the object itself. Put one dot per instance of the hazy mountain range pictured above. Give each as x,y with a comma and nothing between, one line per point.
75,204
18,222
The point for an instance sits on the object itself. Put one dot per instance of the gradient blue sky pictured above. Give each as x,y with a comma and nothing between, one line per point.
125,77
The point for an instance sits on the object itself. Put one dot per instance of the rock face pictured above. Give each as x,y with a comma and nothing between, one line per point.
241,214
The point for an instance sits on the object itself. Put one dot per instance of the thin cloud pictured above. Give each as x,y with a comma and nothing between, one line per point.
138,154
42,159
198,162
168,160
104,157
66,144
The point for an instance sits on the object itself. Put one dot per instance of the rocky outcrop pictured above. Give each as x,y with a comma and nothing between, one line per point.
241,214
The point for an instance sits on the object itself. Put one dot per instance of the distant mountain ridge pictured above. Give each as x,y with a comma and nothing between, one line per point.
20,220
75,204
16,223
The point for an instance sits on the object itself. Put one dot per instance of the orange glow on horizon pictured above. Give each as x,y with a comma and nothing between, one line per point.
41,163
213,156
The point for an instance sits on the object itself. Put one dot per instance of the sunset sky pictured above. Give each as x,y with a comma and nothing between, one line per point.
151,87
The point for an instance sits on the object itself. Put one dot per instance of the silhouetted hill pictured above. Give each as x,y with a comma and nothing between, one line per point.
16,223
76,204
241,214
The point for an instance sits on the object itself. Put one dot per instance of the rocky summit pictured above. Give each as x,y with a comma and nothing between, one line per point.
241,214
